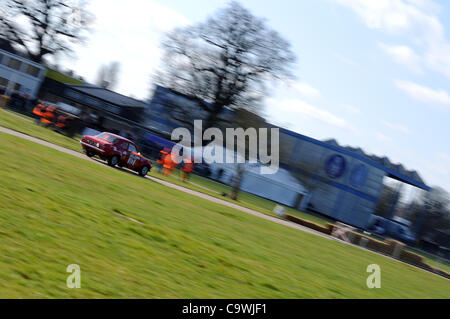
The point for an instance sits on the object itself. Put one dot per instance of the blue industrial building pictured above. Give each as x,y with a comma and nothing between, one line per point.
342,183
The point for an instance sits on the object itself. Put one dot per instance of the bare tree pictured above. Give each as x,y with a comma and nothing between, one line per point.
388,197
44,28
107,76
436,212
223,63
226,61
429,213
438,199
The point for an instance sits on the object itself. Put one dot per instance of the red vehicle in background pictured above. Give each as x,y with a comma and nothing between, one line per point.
116,150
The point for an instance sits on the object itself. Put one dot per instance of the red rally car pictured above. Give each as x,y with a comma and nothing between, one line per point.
117,150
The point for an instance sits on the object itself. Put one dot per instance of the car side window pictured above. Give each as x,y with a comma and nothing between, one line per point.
132,148
123,145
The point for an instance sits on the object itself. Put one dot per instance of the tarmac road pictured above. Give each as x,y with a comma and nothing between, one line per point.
195,193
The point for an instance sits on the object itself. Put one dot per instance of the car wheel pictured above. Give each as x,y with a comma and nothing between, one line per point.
113,161
89,153
143,171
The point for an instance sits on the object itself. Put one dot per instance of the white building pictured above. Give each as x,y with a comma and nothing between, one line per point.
280,187
20,74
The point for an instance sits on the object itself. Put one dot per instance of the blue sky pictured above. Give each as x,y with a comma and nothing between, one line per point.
373,74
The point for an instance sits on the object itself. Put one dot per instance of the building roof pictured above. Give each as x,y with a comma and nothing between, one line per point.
395,171
161,89
386,162
109,96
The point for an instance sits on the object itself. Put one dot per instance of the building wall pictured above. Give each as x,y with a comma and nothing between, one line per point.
169,110
280,187
20,74
342,186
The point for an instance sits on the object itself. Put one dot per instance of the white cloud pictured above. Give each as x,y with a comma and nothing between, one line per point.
444,157
397,127
129,34
346,60
383,138
441,170
443,164
437,57
417,20
402,54
437,167
396,16
298,108
306,90
351,109
424,93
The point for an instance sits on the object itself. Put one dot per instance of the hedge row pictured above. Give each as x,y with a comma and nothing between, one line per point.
326,230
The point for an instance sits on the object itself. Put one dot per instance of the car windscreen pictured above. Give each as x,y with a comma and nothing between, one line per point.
108,137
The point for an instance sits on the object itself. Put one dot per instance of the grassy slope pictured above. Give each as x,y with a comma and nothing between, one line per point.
18,123
60,77
56,210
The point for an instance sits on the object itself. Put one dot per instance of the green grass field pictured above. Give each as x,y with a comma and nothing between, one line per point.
56,210
210,187
16,122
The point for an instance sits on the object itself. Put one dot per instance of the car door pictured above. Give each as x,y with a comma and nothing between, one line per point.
124,154
133,157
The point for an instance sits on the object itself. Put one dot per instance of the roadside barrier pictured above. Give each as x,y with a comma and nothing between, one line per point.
389,247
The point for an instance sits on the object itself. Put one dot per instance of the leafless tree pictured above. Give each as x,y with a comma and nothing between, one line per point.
223,63
429,213
388,196
228,60
107,76
436,212
43,28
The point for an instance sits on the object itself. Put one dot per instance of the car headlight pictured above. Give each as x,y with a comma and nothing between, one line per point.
98,144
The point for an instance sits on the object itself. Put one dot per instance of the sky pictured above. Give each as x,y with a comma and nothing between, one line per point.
370,74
